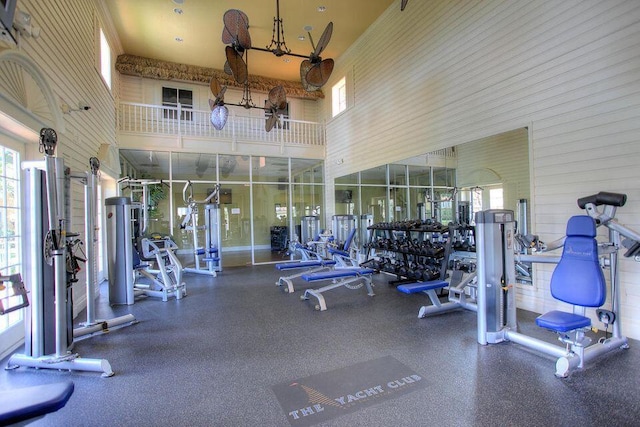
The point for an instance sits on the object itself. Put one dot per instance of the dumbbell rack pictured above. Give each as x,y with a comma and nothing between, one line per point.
413,251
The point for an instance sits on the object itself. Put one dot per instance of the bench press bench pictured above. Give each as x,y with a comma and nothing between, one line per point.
428,288
309,266
27,404
339,277
457,293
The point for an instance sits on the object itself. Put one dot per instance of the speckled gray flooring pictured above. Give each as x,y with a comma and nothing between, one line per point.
212,358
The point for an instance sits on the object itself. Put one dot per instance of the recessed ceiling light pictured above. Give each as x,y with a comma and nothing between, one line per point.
321,8
178,10
301,37
179,39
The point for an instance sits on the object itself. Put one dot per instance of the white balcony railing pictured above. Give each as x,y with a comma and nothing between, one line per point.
157,119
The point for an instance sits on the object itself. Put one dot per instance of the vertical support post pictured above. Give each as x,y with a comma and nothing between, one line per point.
614,237
90,189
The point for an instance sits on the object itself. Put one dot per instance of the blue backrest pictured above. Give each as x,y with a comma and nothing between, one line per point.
136,258
347,243
578,278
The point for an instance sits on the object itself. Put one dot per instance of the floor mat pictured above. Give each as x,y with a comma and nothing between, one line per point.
321,397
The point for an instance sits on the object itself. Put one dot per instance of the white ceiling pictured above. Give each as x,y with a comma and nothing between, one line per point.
148,28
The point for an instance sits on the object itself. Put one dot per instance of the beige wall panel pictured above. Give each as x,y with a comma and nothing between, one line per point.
453,72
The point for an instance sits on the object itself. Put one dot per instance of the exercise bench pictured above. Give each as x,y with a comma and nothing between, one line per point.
428,288
23,405
339,277
309,266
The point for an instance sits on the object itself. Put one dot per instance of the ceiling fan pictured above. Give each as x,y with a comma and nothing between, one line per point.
314,71
236,36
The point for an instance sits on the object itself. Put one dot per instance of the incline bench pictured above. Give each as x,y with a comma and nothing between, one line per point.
339,277
309,266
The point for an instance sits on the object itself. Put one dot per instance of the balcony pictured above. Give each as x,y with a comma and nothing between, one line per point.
144,126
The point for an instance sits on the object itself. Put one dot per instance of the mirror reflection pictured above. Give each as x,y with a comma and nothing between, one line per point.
447,185
261,199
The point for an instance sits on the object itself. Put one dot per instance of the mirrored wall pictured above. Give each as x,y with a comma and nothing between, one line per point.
400,191
447,185
262,199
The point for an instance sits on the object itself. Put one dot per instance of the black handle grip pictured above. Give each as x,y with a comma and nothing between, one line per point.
603,198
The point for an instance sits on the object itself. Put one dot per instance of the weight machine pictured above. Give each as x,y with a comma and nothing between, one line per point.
165,281
140,196
92,325
125,261
48,321
207,259
582,255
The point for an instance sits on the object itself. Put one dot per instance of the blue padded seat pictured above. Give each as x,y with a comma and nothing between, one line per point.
413,288
337,274
30,402
578,278
304,264
561,321
137,261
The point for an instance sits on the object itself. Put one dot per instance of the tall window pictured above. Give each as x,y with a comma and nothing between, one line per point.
339,97
105,59
496,198
171,97
9,226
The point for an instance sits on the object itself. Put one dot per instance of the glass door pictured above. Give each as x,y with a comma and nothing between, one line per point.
11,324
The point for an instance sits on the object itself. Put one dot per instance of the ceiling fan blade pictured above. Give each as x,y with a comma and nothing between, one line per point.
403,4
214,86
271,121
219,116
319,73
237,24
324,40
227,68
305,66
212,104
236,64
227,37
278,97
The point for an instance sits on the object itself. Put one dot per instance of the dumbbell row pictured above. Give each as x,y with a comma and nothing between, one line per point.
411,270
411,225
425,248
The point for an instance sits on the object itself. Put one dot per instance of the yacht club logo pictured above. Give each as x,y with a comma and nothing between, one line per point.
321,397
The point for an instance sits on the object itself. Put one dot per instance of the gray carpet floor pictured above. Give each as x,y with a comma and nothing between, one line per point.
212,358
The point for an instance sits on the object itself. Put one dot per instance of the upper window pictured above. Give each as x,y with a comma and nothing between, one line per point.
171,97
339,97
105,59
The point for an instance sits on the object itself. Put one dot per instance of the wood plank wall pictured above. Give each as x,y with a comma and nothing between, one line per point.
65,52
445,72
